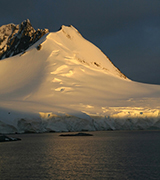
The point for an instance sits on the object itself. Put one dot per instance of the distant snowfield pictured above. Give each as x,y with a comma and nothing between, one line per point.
70,85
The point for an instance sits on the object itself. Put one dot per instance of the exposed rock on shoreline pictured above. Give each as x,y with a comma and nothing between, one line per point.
77,134
4,138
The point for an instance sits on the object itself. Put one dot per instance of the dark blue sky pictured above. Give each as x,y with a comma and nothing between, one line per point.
128,32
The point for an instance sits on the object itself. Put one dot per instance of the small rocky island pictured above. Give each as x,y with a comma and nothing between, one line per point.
4,138
77,134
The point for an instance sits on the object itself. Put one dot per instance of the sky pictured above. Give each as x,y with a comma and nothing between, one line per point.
127,31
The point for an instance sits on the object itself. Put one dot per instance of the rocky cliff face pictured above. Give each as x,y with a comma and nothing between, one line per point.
15,39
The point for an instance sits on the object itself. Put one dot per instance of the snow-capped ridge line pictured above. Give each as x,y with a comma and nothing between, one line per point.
23,36
70,39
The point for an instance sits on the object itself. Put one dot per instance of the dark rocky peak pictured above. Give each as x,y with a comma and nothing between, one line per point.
15,39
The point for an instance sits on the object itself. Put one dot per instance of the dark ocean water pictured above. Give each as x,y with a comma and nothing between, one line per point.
106,155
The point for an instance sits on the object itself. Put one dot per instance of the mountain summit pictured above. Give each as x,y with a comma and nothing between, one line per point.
15,39
62,82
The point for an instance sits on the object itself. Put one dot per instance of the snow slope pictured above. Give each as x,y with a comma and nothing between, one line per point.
68,84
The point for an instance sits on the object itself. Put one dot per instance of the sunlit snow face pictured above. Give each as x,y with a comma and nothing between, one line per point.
70,85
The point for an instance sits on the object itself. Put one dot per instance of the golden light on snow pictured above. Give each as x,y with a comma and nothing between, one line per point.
70,85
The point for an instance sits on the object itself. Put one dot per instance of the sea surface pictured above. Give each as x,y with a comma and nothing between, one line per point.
105,155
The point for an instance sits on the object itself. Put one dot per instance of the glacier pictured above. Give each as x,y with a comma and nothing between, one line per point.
63,82
119,119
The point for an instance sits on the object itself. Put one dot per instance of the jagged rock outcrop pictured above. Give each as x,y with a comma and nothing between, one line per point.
15,39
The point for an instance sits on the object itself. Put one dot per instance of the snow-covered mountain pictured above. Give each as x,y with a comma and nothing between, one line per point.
65,83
